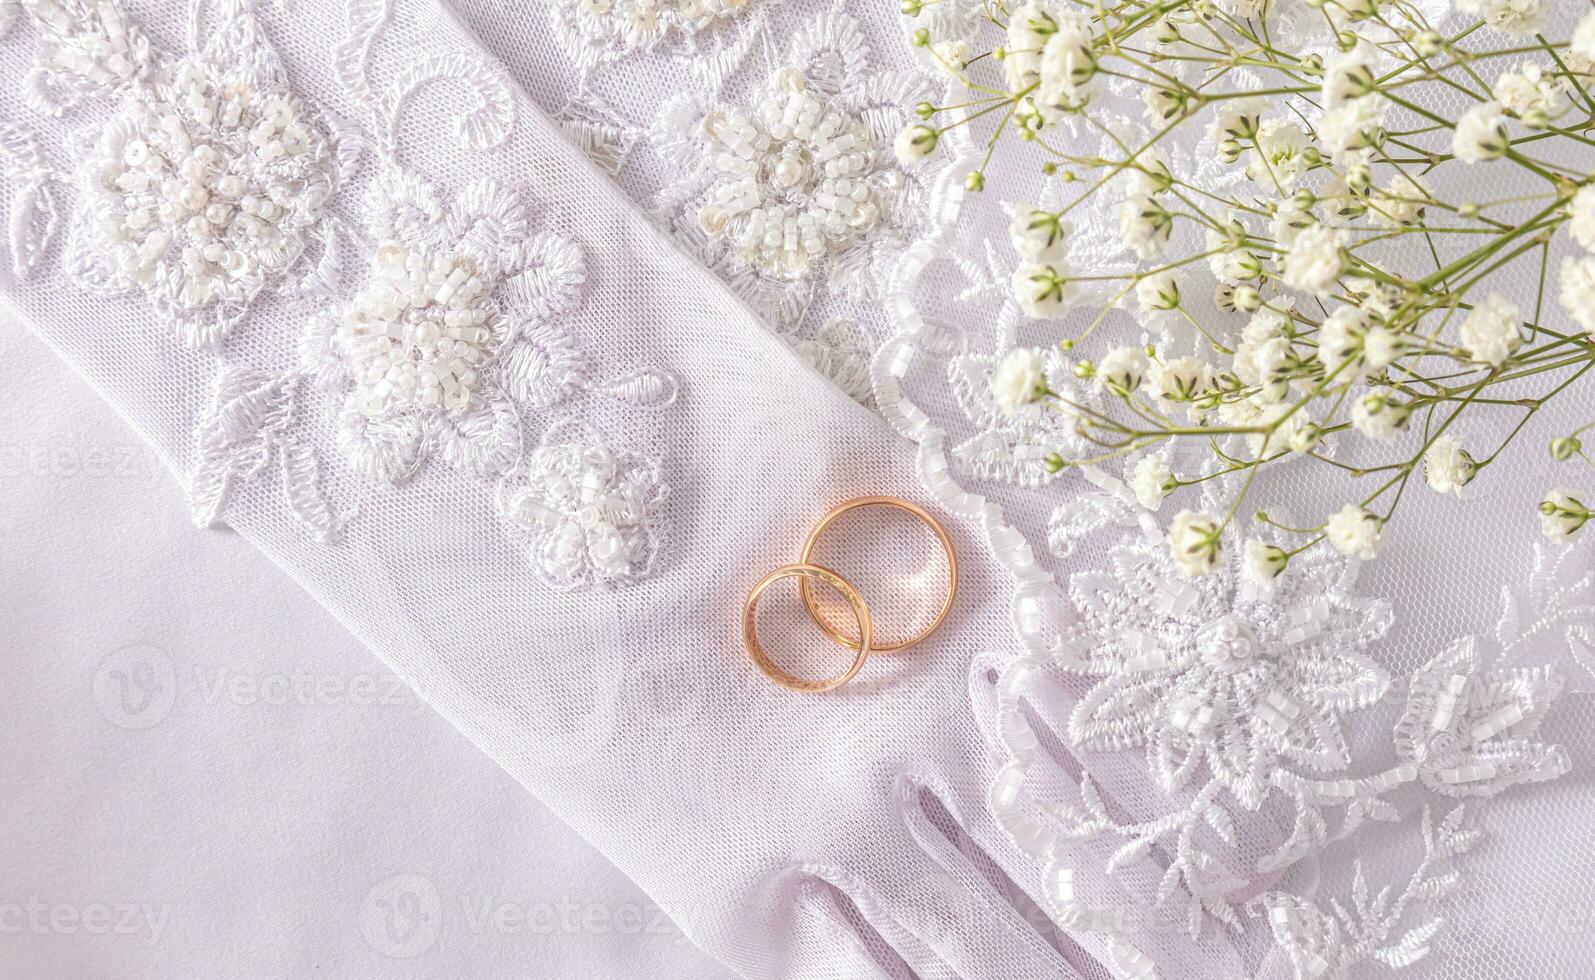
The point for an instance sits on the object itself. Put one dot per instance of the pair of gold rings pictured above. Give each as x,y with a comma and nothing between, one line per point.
808,573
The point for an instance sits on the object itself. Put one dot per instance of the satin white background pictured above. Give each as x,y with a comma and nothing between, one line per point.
205,775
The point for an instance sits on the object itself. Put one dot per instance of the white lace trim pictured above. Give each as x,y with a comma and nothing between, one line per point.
1235,697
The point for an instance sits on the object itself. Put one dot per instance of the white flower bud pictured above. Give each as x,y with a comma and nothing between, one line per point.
1017,380
1480,134
1195,543
1447,466
1562,515
1355,532
914,143
1263,563
1150,480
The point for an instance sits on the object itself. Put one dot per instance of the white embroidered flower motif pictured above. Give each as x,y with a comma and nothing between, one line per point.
201,192
1013,442
455,292
1471,732
1210,671
590,515
85,48
598,30
800,179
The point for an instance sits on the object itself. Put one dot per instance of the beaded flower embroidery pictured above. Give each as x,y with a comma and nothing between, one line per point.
588,514
597,30
1203,673
85,48
453,289
201,193
799,179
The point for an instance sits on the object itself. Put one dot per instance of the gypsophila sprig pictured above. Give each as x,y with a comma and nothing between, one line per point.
1366,299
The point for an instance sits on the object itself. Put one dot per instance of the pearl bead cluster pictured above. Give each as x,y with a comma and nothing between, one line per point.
588,511
800,182
88,40
211,170
419,332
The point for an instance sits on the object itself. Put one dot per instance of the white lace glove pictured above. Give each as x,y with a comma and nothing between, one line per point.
392,328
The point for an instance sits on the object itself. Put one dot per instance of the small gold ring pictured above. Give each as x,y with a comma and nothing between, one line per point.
805,573
898,504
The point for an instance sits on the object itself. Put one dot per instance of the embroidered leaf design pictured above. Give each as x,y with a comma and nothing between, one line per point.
301,479
490,112
547,275
644,387
350,57
1413,947
389,448
1130,853
249,411
1219,819
34,213
602,135
541,369
34,219
486,439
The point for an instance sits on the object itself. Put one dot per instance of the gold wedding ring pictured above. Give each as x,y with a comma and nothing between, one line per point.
896,504
804,574
808,573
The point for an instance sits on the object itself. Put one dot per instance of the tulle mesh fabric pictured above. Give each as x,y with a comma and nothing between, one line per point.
838,836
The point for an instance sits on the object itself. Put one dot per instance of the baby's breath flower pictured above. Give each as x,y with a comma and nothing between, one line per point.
1355,532
952,57
1343,340
1018,380
1150,480
1315,260
1447,466
1181,380
1159,291
1378,416
1529,91
1512,16
1480,134
1278,156
1044,291
1581,224
1289,424
914,143
1195,543
1401,202
1265,362
1237,120
1262,563
1583,42
1067,63
1349,75
1150,173
1037,235
1562,515
1578,291
1145,225
1492,331
1123,370
1352,128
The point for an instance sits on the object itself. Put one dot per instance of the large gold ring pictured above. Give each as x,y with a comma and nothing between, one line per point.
898,504
805,574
